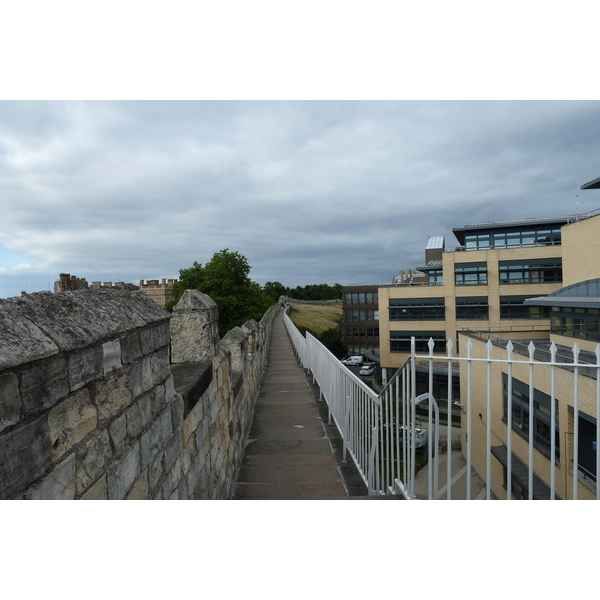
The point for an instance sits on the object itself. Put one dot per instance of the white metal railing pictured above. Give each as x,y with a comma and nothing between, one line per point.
354,406
381,434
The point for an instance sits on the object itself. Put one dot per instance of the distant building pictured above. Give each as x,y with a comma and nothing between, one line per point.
160,291
69,283
119,285
360,322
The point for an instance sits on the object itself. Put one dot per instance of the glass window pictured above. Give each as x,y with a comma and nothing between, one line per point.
400,340
369,298
581,323
475,307
521,419
531,271
470,274
416,309
361,298
355,298
512,307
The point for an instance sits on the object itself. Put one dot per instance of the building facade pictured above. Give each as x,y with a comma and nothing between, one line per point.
160,291
360,322
481,284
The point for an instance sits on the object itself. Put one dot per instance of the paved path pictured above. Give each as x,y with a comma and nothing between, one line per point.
292,453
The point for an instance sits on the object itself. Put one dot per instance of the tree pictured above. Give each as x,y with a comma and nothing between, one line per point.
225,278
275,290
333,340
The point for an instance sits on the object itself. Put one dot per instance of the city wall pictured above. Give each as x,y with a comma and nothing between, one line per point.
104,395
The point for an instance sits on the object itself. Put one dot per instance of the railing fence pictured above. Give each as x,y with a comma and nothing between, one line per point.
525,460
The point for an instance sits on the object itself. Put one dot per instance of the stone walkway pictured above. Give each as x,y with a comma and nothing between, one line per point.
292,453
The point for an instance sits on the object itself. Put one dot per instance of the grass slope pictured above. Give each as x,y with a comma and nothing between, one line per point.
315,318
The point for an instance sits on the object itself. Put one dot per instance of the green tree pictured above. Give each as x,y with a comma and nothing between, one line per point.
225,278
274,290
333,340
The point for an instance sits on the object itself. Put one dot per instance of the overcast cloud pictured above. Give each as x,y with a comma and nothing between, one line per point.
310,192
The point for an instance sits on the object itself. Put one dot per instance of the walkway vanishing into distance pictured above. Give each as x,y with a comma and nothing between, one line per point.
292,452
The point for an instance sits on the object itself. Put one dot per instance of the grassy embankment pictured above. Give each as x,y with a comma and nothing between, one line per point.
315,318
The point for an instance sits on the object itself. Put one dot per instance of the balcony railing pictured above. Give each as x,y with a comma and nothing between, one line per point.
381,432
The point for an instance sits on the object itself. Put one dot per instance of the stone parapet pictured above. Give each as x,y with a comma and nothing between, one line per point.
90,409
81,414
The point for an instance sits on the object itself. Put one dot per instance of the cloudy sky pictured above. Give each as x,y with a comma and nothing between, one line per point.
308,191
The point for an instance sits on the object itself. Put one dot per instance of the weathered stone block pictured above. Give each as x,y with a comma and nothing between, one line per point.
44,384
85,366
156,472
158,399
173,447
141,377
134,421
10,400
99,491
145,404
93,459
154,338
176,473
131,348
124,473
167,487
118,434
25,455
21,341
70,421
160,366
186,456
111,352
140,489
191,422
155,437
169,388
111,395
194,328
59,484
235,341
177,411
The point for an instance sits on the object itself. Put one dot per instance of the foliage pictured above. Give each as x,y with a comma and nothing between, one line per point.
333,340
319,291
225,278
275,290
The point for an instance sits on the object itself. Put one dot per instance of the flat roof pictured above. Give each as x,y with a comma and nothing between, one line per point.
582,294
516,223
592,185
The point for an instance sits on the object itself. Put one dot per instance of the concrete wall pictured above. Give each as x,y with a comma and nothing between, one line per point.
88,405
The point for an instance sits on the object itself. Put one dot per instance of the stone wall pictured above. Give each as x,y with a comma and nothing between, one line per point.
315,302
88,405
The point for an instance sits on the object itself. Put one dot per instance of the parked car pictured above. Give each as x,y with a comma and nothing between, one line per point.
353,361
367,370
420,436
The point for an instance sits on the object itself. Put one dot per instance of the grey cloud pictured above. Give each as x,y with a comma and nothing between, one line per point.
342,192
